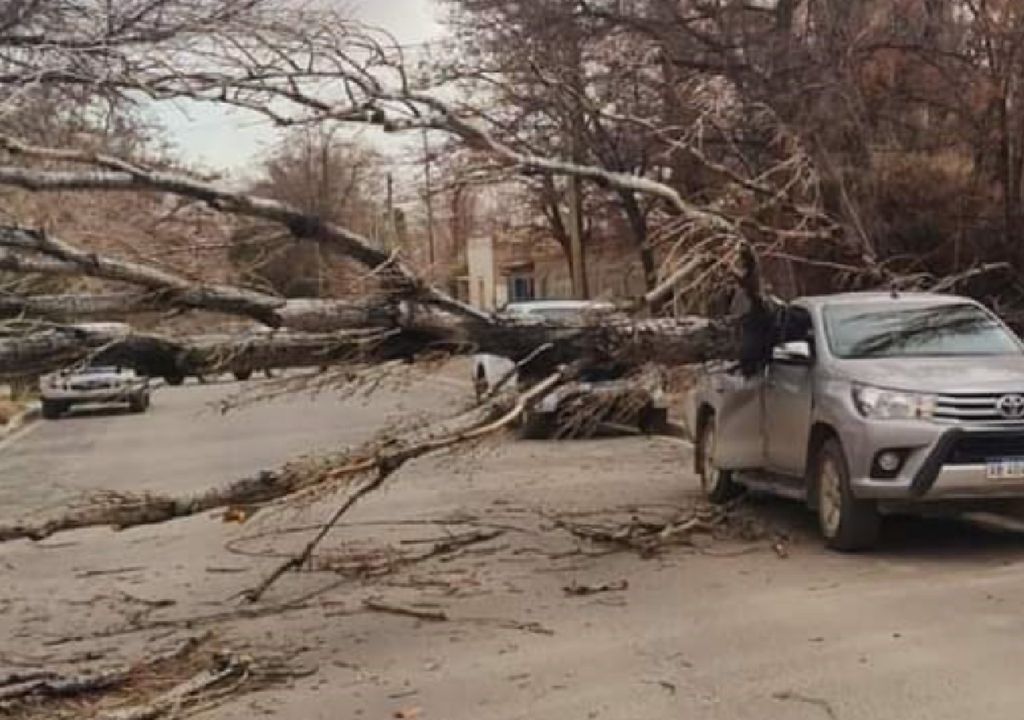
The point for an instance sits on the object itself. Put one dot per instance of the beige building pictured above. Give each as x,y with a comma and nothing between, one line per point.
493,252
500,270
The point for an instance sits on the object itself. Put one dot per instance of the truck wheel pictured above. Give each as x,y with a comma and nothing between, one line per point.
242,375
138,403
653,420
847,524
174,379
717,484
536,426
53,409
480,384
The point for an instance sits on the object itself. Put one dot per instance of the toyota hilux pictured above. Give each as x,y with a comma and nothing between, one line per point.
869,403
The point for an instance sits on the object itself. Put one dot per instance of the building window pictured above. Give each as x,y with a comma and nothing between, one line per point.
520,288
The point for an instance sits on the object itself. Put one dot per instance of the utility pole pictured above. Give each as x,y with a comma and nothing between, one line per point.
392,231
577,258
429,198
579,270
325,192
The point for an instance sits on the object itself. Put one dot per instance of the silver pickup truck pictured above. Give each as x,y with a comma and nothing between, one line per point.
869,402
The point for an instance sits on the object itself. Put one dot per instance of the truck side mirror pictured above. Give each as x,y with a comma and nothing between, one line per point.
795,352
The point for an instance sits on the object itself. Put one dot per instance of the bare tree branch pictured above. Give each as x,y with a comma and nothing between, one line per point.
300,224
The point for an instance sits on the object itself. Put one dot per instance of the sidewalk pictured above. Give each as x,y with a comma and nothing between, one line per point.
15,415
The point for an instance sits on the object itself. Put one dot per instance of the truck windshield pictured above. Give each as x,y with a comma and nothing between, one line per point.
868,331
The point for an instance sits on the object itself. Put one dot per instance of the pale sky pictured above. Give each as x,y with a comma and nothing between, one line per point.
232,141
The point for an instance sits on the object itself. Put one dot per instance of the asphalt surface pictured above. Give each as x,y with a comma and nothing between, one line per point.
185,443
760,622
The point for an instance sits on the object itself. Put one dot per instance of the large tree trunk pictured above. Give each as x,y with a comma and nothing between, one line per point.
305,314
620,343
551,203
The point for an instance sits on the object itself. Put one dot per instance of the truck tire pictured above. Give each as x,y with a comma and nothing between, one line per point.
138,403
846,523
242,374
53,409
717,484
536,426
653,421
480,385
174,379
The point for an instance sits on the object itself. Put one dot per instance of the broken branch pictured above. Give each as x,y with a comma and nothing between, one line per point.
383,607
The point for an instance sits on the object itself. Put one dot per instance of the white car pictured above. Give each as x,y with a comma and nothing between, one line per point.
90,384
490,370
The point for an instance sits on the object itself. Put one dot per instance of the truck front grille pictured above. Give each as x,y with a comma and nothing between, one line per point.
977,449
981,407
92,385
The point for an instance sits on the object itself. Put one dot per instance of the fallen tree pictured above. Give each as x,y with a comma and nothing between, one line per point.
358,471
619,342
380,327
275,67
265,76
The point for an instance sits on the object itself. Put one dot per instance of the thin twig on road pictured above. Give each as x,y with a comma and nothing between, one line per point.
386,463
383,607
825,705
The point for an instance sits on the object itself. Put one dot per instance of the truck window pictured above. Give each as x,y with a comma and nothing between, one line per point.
797,325
915,330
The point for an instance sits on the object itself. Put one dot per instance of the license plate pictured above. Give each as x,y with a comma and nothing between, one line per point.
1005,469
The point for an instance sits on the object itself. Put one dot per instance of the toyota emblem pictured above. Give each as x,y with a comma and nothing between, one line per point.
1011,406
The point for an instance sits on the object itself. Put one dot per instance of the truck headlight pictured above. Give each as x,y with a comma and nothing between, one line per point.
883,404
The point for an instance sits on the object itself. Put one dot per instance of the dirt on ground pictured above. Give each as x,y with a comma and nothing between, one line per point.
534,580
462,561
8,410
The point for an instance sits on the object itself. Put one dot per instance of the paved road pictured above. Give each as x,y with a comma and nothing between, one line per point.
928,627
184,443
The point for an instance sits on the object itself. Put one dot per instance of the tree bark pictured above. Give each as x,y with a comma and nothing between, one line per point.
553,211
638,226
619,343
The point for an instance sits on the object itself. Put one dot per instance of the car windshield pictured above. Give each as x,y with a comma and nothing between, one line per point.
555,312
98,370
869,331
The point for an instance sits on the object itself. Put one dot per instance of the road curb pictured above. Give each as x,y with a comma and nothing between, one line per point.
30,414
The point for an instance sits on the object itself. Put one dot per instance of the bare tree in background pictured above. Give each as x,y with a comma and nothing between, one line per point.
322,175
548,78
296,68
